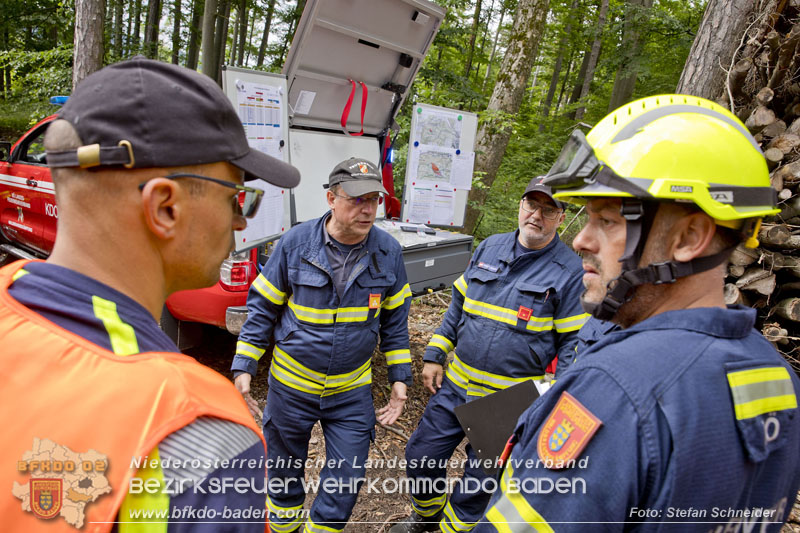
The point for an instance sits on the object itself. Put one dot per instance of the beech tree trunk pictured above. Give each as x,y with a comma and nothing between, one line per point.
208,44
195,28
562,46
495,130
494,45
473,36
243,15
88,55
118,28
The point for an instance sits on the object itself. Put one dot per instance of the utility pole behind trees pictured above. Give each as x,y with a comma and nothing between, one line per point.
88,43
494,130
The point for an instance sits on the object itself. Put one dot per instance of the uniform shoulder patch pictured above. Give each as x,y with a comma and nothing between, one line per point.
566,432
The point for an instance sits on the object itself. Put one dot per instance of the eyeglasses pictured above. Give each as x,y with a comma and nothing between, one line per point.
359,200
245,203
548,211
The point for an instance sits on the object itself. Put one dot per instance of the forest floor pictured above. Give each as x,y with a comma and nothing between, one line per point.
380,506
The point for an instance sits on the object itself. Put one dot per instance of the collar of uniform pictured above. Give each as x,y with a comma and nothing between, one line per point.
507,255
734,322
330,241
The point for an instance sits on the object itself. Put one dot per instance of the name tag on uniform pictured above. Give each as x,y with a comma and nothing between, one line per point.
486,266
524,313
374,301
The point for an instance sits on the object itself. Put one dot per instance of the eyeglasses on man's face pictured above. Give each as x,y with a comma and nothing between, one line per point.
358,201
548,211
244,204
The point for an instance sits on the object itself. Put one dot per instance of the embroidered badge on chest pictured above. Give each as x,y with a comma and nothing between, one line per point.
524,313
567,431
486,266
374,301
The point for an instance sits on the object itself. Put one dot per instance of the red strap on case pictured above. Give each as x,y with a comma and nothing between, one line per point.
346,110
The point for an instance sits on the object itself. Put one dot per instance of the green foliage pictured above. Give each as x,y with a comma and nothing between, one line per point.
38,75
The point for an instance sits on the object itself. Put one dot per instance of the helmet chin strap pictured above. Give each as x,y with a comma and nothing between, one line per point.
639,218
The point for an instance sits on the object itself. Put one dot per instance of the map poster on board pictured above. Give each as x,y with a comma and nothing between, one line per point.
435,155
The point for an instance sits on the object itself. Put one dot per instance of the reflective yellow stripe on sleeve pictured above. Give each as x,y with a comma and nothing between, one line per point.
451,523
396,357
249,350
269,291
398,299
121,334
761,390
461,285
18,274
443,343
571,323
512,513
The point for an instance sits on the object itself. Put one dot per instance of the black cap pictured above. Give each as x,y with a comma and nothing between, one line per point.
536,185
142,113
357,177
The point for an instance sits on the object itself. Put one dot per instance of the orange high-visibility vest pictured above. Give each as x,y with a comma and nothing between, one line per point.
56,385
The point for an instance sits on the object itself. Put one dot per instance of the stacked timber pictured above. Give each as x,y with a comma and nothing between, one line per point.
764,92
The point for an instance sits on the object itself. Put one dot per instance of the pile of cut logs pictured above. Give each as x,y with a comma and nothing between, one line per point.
764,91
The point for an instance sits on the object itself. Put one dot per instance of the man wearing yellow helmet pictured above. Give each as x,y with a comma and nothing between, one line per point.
686,418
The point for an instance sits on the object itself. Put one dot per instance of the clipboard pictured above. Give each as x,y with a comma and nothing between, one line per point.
489,421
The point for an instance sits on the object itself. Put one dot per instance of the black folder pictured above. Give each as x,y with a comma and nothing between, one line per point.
489,421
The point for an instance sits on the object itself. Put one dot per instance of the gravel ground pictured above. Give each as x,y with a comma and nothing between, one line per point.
375,510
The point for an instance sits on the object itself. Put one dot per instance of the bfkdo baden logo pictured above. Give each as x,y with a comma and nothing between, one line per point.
62,482
46,497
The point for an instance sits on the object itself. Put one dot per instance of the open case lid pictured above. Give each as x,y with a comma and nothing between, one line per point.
378,42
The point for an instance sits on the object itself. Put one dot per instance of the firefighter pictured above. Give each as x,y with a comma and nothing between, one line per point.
148,161
591,332
685,418
516,307
331,288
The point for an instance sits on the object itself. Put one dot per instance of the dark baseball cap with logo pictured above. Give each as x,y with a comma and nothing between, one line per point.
142,113
357,177
536,185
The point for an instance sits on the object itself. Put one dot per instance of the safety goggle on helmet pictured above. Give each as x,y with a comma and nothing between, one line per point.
669,147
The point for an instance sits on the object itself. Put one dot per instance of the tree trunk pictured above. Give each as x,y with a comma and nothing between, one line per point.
118,28
494,131
176,31
88,55
631,48
262,50
562,45
250,36
221,37
476,18
298,11
137,27
714,46
483,39
566,77
234,41
243,12
195,29
208,44
494,45
593,57
151,29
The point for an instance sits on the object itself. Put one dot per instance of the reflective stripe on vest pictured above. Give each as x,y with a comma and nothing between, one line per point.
314,315
477,382
64,386
761,390
512,513
297,376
